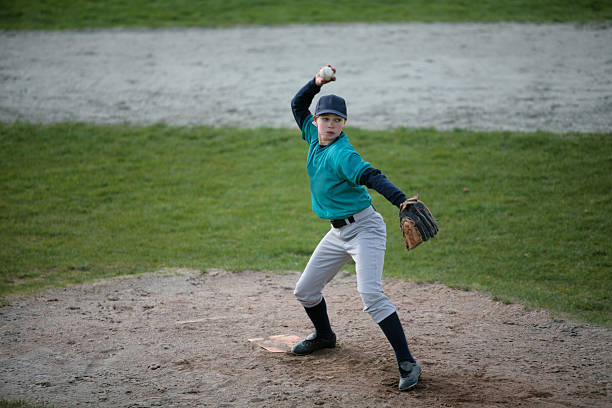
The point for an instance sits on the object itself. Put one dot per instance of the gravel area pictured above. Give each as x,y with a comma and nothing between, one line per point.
522,77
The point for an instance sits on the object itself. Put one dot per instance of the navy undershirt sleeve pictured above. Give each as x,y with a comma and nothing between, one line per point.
374,179
302,100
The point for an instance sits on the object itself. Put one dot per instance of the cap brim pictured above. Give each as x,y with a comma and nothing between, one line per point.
335,112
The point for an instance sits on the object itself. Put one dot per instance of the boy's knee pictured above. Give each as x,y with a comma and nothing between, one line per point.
377,305
307,299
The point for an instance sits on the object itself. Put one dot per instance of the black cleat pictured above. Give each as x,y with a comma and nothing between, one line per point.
313,343
409,375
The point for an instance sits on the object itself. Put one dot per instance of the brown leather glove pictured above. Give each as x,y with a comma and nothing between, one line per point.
417,223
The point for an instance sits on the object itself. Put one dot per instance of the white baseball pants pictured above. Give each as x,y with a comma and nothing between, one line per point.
365,242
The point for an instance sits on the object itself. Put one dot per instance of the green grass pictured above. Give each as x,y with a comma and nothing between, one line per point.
62,14
526,217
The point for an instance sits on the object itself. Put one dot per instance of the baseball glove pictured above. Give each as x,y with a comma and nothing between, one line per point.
417,223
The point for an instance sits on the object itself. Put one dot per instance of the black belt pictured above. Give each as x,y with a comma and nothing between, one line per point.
342,222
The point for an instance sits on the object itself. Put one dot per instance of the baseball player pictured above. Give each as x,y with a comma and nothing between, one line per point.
338,175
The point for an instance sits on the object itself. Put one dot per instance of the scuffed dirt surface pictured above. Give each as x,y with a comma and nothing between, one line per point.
180,339
525,77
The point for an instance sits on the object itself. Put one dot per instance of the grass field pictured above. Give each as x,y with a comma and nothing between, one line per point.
60,14
525,217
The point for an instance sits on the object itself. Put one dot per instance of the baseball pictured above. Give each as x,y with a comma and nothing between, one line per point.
326,73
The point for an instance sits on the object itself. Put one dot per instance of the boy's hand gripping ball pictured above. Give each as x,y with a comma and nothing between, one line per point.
326,73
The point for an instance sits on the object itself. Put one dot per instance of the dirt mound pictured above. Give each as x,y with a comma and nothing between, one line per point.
180,339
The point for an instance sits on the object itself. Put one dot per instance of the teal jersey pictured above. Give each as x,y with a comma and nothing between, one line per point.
334,171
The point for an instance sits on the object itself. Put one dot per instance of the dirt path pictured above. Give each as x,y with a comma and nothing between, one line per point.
525,77
180,339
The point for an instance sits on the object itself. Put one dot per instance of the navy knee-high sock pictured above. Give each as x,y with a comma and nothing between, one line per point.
320,320
392,327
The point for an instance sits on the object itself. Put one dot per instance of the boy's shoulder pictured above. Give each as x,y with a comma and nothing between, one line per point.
343,143
308,128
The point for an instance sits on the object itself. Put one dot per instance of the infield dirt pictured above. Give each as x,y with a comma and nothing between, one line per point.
524,77
180,339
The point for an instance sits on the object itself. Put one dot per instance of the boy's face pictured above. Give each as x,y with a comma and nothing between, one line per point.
329,127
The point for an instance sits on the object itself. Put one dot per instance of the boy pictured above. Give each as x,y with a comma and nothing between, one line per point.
337,175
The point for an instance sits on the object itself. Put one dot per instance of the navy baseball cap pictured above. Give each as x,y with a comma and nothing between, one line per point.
331,104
